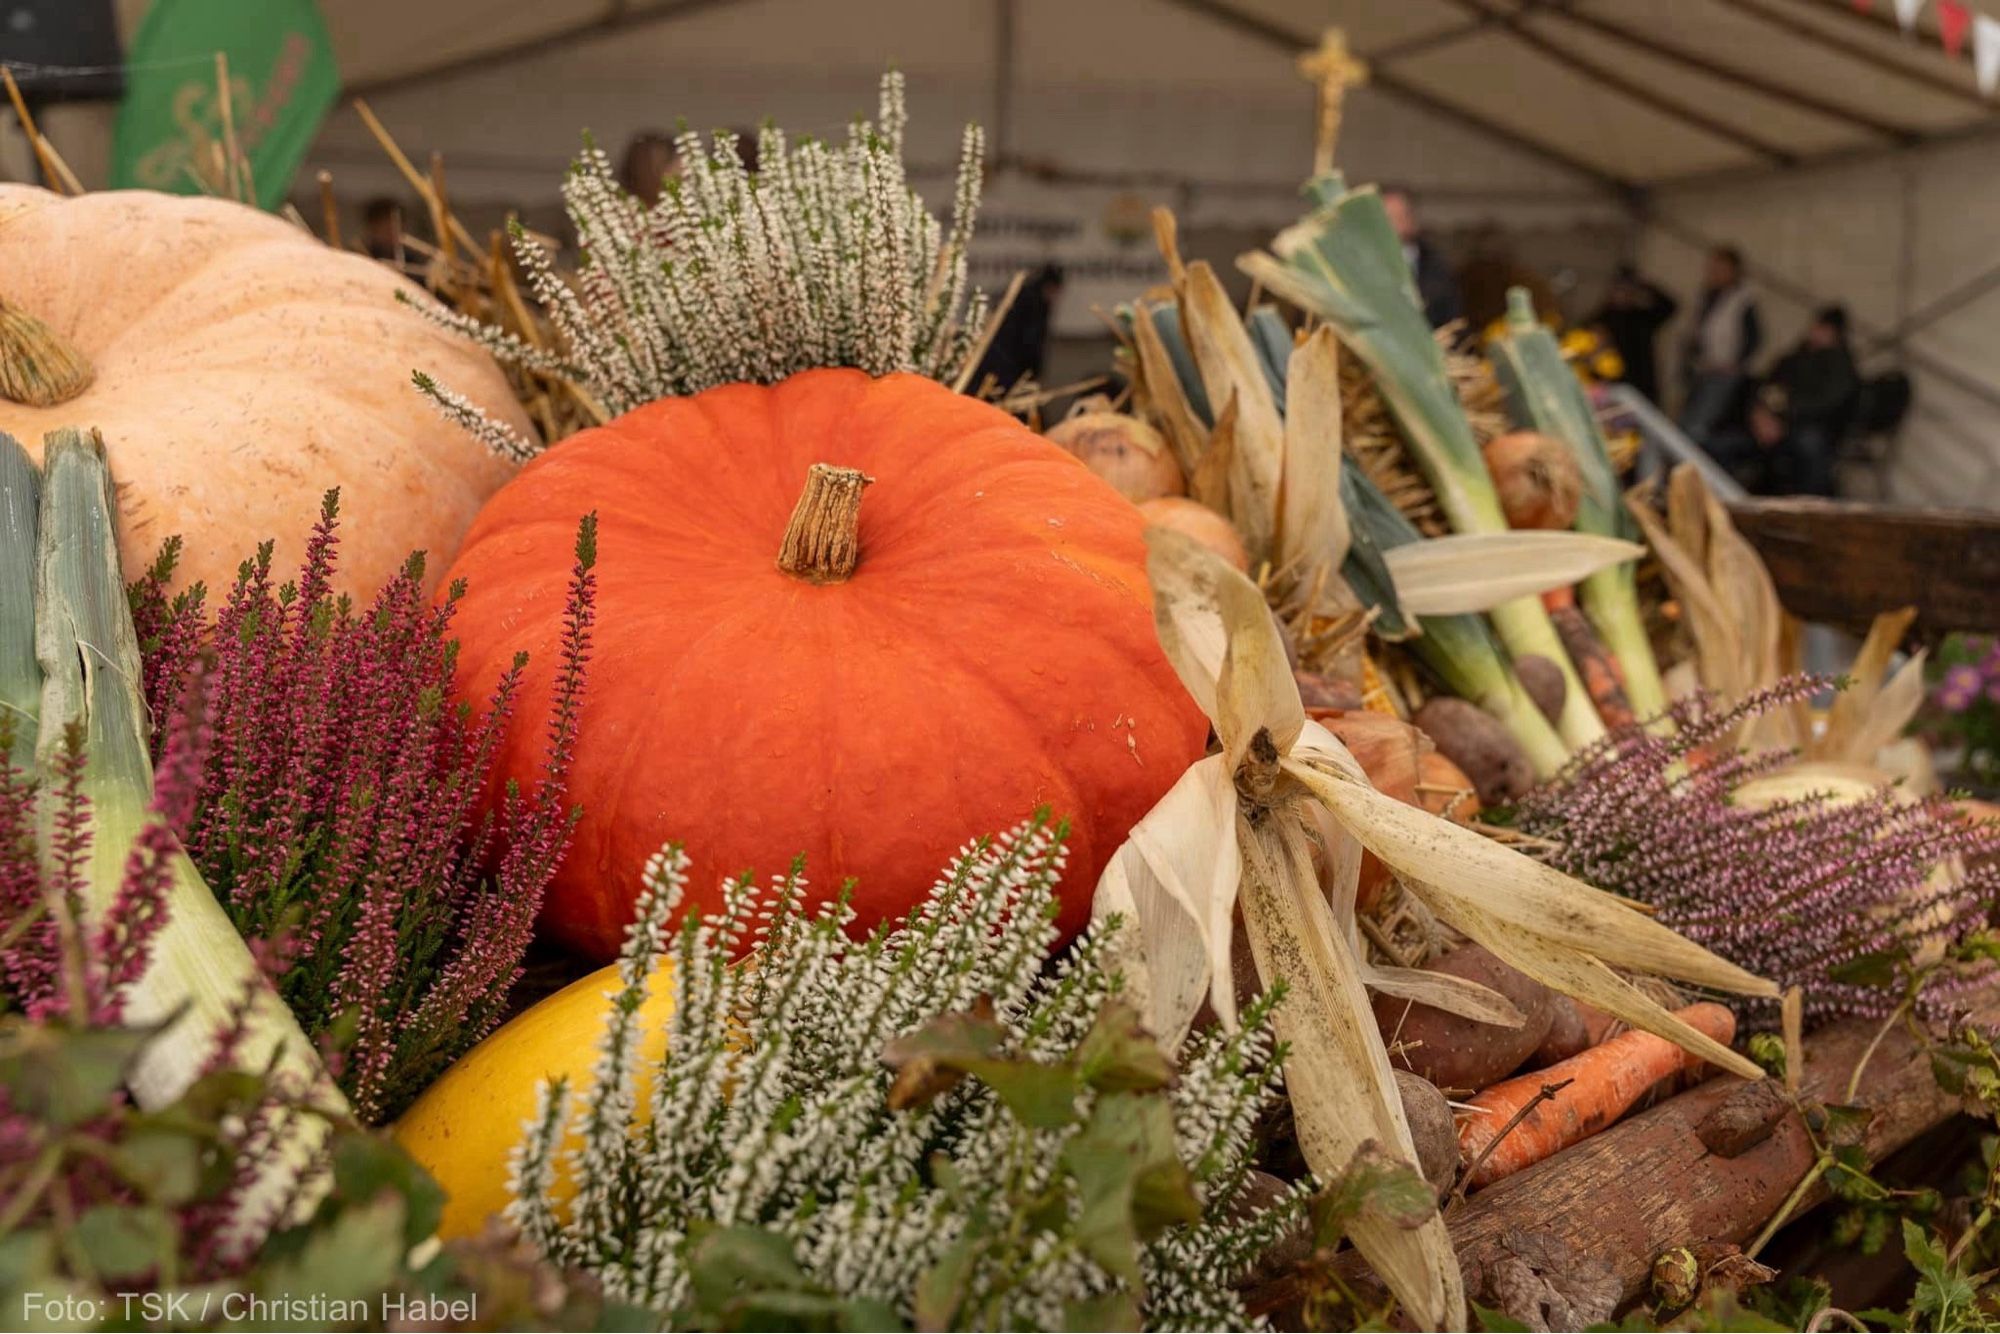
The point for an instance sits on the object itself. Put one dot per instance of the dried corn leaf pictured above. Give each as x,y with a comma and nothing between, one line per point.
1718,648
1209,483
1312,519
1336,1069
1165,398
1230,367
1174,882
1475,572
1864,681
1453,863
1888,714
1586,978
1442,991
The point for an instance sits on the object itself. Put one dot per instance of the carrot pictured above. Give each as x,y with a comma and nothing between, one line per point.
1607,1080
1602,676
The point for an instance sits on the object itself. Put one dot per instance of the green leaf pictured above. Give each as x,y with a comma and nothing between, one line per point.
124,1242
350,1254
1768,1051
1118,1054
932,1059
941,1289
367,1166
1880,969
1496,1321
1130,1180
1941,1288
1117,1309
62,1077
1375,1183
168,1165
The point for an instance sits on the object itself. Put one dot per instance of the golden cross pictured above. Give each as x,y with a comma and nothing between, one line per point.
1332,69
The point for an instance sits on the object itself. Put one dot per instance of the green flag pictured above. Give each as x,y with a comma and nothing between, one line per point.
282,81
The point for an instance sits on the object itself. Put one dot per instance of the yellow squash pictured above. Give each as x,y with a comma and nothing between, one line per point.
464,1127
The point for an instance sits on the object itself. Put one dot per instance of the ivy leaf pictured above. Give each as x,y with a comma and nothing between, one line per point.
744,1278
1377,1184
124,1242
935,1057
1130,1179
1118,1054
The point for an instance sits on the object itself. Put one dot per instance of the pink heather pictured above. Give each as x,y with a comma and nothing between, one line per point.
1792,892
343,815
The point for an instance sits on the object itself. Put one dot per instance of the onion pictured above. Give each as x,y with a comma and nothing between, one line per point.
1537,478
1124,451
1191,518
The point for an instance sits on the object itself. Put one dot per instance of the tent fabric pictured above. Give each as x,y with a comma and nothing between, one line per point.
1632,92
1849,161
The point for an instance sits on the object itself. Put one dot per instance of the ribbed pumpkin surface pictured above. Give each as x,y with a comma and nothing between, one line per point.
993,651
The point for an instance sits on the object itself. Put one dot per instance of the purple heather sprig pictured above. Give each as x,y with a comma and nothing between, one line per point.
344,815
1820,892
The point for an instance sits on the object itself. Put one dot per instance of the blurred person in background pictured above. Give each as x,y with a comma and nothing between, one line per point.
1437,285
1020,345
1720,347
1804,409
650,158
1633,313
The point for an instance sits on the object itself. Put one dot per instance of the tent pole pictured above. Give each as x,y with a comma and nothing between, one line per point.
1002,140
1776,16
617,17
1637,92
1674,53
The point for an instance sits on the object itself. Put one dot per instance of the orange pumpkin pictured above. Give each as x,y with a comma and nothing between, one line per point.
238,368
784,664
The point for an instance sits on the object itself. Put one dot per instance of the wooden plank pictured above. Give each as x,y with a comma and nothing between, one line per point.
1621,1198
1841,562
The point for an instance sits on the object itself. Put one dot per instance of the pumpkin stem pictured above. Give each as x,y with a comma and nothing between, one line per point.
821,544
38,366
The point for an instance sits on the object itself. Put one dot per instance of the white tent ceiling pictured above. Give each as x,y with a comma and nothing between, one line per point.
1634,92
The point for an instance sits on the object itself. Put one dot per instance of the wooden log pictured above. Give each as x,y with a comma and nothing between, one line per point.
1840,563
1621,1198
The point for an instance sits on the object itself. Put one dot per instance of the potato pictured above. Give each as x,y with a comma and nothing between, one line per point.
1477,743
1454,1052
1432,1128
1543,681
1568,1034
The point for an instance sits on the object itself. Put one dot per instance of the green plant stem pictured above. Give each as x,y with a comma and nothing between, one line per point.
1799,1192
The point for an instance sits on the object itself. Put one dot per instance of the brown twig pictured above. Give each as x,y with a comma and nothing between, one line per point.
53,167
985,339
328,209
1547,1092
1380,939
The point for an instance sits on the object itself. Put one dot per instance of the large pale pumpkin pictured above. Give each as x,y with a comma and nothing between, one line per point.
240,368
785,663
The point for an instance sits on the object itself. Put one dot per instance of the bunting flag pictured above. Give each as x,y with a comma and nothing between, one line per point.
1986,52
1953,19
1907,11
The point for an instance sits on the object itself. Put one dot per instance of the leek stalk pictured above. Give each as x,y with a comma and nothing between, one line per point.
1543,394
20,675
1344,264
1460,649
200,971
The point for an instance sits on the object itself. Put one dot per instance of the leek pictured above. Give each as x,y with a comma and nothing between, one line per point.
1461,649
1344,264
202,982
20,676
1544,395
